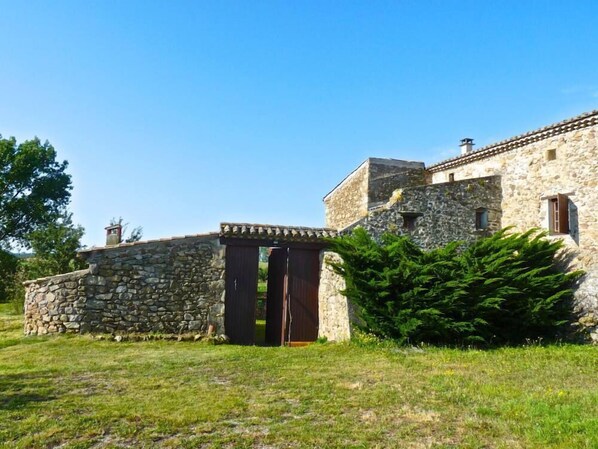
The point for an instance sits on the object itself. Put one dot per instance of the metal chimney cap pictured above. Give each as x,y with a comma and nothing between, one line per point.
467,141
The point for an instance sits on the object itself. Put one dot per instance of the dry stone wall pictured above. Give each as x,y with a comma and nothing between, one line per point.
170,286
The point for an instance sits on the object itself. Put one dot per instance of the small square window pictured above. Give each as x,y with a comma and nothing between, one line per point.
409,219
550,155
451,177
409,222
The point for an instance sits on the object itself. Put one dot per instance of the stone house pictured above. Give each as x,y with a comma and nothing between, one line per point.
547,178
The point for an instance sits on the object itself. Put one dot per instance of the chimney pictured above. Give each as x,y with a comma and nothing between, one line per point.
113,234
466,146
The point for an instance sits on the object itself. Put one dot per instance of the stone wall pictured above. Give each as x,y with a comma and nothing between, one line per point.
348,202
55,304
370,184
445,212
387,175
169,286
333,306
530,178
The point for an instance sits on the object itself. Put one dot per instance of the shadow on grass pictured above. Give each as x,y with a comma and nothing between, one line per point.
18,391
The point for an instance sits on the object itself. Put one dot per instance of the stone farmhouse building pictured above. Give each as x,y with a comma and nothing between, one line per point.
546,178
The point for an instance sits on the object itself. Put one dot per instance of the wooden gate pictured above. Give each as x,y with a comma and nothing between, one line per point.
293,280
302,298
241,293
292,304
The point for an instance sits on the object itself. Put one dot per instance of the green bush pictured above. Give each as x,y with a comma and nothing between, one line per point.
502,289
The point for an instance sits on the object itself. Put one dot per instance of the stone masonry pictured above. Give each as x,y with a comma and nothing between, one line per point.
514,180
560,158
442,213
55,304
368,186
170,286
176,285
334,308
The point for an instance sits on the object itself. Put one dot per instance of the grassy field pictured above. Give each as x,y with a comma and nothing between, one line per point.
76,392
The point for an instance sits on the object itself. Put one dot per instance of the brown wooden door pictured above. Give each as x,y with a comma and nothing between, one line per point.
277,268
303,281
241,293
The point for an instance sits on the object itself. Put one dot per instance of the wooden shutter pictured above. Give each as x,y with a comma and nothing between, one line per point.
563,206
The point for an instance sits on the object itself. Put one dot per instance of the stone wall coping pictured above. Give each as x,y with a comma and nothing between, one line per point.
579,122
208,236
59,277
379,161
278,232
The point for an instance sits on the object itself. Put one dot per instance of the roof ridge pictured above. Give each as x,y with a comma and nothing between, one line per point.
578,122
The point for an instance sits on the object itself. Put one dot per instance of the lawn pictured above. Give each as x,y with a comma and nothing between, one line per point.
77,392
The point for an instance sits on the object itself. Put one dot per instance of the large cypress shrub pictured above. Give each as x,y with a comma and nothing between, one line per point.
502,289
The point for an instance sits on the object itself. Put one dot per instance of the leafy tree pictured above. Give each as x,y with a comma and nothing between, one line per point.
34,189
8,267
55,249
501,289
135,235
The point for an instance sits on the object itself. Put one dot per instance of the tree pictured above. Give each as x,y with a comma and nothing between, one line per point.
8,267
135,235
55,249
34,189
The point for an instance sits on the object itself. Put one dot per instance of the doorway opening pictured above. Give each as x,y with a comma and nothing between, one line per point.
262,296
275,302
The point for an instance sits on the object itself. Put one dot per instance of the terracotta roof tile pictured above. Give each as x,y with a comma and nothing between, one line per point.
581,121
264,231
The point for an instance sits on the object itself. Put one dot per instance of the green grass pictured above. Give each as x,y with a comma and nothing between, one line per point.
260,332
262,288
76,392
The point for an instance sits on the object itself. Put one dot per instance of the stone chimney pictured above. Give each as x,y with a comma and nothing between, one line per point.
466,146
113,234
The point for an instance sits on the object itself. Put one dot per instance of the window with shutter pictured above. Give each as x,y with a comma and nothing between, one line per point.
558,214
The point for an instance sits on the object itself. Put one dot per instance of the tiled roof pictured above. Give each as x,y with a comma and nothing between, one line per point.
275,232
578,122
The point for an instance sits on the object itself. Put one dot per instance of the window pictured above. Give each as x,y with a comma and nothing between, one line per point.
409,219
550,155
558,214
481,218
409,222
451,177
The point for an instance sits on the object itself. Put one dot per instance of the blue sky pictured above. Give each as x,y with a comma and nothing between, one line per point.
178,115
